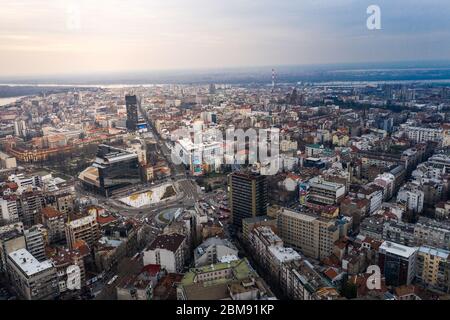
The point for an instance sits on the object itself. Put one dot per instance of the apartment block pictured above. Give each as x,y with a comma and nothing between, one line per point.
313,235
34,280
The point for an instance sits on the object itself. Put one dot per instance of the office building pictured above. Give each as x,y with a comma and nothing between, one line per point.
114,169
398,263
248,196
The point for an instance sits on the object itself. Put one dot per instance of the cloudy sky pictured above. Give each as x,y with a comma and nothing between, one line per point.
39,37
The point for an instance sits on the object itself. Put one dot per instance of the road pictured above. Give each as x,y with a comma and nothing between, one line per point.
176,170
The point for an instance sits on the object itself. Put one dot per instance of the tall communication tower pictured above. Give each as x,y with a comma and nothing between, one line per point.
274,78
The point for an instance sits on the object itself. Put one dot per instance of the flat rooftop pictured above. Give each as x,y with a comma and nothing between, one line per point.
283,254
309,217
398,249
27,263
323,184
82,221
443,254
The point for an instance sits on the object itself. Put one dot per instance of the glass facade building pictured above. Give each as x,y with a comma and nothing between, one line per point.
117,169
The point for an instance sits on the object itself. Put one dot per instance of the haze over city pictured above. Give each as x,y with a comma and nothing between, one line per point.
48,37
248,155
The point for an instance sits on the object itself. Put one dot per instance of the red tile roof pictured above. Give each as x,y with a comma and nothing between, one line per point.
152,269
50,212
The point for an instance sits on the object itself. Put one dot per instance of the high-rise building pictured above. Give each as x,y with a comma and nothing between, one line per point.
212,88
248,196
132,102
20,128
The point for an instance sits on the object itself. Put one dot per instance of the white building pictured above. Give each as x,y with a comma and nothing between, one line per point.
412,196
212,251
168,251
8,209
373,193
195,155
26,181
387,182
419,134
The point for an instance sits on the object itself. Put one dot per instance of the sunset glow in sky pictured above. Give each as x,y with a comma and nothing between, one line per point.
79,36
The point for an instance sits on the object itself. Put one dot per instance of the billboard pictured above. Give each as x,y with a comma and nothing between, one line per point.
303,192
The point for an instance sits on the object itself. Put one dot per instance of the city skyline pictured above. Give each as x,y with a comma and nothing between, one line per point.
64,37
251,152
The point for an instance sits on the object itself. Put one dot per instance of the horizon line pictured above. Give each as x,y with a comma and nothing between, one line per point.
420,64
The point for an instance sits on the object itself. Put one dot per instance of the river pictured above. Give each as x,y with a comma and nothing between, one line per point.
5,101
